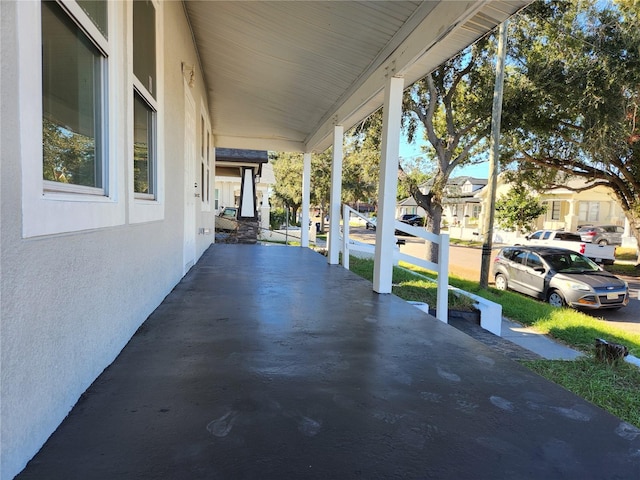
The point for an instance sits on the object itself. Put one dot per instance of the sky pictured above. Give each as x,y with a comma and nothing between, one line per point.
413,150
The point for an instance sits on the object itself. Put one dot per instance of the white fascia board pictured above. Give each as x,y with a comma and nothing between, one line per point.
410,60
258,143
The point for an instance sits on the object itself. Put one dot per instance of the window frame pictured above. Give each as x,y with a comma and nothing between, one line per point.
76,14
63,208
147,207
556,210
206,160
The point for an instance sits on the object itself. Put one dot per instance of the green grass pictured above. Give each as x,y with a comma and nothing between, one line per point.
409,286
613,388
570,326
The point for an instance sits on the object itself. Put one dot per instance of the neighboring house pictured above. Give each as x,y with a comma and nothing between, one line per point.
111,111
409,206
568,209
461,206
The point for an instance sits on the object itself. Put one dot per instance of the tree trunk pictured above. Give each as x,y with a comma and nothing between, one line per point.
434,218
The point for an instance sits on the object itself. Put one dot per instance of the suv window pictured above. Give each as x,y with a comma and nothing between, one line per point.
533,260
535,236
520,257
546,235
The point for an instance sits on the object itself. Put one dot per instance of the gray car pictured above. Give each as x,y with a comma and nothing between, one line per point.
602,234
558,276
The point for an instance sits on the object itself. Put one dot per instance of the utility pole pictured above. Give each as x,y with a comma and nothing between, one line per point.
494,157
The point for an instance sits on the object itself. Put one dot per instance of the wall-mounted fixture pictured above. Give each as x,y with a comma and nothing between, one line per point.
189,74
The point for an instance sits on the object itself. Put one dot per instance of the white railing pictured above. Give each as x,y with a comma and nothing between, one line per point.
441,267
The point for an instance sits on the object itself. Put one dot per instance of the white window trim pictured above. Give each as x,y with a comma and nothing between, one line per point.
45,212
147,208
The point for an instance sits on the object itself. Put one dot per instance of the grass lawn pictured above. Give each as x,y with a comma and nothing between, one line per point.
613,388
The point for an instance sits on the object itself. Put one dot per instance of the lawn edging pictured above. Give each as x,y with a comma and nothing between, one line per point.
490,312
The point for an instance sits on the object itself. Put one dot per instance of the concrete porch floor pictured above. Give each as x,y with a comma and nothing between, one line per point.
267,363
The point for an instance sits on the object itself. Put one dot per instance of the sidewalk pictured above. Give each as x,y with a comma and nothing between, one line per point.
536,342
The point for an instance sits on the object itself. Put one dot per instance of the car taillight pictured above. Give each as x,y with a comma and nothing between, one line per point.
582,248
591,234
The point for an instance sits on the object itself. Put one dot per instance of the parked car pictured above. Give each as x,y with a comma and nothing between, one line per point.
558,276
602,234
412,219
227,219
371,224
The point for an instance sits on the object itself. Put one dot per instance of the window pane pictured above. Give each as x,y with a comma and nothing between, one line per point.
143,146
96,10
144,44
72,72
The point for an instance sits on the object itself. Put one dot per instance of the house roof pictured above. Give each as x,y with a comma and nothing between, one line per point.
459,181
235,155
280,75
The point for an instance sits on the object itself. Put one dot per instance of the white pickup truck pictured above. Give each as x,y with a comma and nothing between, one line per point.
598,253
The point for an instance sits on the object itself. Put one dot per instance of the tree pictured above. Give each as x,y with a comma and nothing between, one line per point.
453,106
518,209
287,169
580,65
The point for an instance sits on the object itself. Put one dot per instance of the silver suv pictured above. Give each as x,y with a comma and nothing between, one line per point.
558,276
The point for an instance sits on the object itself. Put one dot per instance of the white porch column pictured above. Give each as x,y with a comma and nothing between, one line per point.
335,196
306,202
385,229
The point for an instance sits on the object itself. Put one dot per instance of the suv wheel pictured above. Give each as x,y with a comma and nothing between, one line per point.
501,282
556,299
603,242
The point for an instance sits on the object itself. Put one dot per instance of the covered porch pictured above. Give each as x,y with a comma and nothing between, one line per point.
265,362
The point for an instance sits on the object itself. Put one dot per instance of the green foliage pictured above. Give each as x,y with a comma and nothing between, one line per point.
577,64
287,169
518,209
409,286
277,217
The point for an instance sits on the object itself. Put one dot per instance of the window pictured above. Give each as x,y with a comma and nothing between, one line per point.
534,261
74,120
144,95
217,199
555,210
589,211
143,147
205,163
520,257
144,44
68,105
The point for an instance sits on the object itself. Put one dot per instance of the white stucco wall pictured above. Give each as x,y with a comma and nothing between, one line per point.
69,302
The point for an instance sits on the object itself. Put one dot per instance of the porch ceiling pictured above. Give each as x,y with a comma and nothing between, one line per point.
281,74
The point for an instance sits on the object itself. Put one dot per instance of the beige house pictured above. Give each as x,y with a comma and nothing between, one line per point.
568,209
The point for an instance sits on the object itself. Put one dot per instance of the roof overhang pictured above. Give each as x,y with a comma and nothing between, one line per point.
281,75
